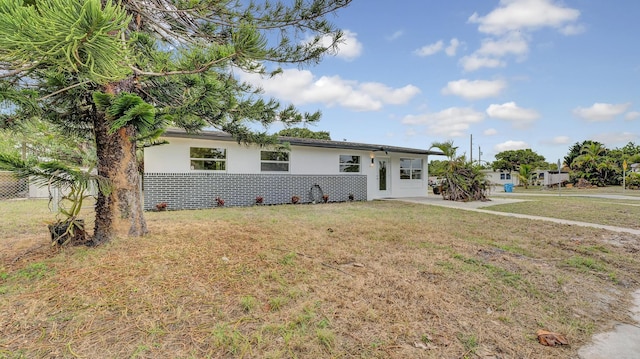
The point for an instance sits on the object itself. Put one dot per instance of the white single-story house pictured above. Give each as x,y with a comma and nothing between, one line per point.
539,178
192,170
499,178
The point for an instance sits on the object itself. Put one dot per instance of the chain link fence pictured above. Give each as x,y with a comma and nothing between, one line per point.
11,187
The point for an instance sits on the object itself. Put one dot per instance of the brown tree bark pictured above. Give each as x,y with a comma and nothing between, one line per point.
118,212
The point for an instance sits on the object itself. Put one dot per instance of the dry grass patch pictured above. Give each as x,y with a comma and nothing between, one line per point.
368,280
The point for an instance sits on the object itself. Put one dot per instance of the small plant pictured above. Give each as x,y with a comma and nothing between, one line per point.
72,182
248,303
219,202
288,259
162,206
326,337
275,304
470,342
325,198
259,200
351,197
295,199
34,271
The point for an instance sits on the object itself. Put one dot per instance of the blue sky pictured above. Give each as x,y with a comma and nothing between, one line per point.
515,74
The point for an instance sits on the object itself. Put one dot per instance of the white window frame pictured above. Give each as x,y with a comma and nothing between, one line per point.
344,164
222,160
275,161
413,171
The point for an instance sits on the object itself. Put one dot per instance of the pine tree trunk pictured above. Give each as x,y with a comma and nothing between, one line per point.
120,211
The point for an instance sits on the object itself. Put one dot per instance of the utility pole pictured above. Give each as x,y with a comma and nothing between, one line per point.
479,155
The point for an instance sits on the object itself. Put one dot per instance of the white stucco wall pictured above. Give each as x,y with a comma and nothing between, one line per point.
241,159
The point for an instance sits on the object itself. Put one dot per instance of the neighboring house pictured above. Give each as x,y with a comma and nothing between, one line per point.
499,178
635,167
549,178
193,169
539,178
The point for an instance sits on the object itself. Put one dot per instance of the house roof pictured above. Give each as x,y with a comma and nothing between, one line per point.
307,142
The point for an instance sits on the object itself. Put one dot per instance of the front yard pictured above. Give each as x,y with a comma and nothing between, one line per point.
378,279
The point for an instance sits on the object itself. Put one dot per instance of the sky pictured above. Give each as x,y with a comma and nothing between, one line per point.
491,75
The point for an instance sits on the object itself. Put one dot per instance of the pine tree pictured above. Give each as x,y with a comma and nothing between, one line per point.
122,72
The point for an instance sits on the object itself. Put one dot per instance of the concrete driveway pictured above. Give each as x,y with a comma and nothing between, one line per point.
436,200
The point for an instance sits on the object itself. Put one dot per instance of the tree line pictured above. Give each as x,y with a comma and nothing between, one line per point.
589,161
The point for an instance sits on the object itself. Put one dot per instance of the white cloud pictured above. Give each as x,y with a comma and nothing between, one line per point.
492,51
561,140
429,50
573,30
490,132
612,139
514,15
450,122
350,48
510,25
476,62
302,87
453,47
510,111
511,145
512,44
474,90
395,35
599,112
558,140
632,115
391,96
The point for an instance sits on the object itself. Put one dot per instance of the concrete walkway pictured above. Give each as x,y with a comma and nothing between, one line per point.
623,342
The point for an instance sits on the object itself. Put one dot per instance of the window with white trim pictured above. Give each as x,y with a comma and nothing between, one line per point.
208,159
505,176
274,161
410,168
350,163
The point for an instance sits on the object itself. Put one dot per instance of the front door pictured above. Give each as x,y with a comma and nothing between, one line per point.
384,176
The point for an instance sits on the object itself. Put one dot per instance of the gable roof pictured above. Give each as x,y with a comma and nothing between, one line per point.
307,142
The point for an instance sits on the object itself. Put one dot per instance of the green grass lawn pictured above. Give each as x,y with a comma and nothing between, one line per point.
617,190
621,213
349,280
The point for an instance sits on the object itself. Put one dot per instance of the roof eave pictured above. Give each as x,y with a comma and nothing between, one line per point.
305,142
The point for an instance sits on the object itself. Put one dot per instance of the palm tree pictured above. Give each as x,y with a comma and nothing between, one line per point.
589,164
463,181
447,148
524,175
74,183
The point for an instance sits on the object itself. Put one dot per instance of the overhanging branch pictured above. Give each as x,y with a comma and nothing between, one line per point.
203,68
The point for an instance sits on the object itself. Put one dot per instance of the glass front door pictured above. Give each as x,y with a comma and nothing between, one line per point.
383,175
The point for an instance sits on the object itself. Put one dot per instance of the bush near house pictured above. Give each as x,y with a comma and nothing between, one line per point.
633,180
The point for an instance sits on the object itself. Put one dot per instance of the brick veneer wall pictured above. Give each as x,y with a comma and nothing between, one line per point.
199,190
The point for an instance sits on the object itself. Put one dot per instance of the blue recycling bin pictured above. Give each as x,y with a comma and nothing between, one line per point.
508,187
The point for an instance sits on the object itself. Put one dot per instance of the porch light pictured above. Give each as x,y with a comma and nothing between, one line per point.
372,157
